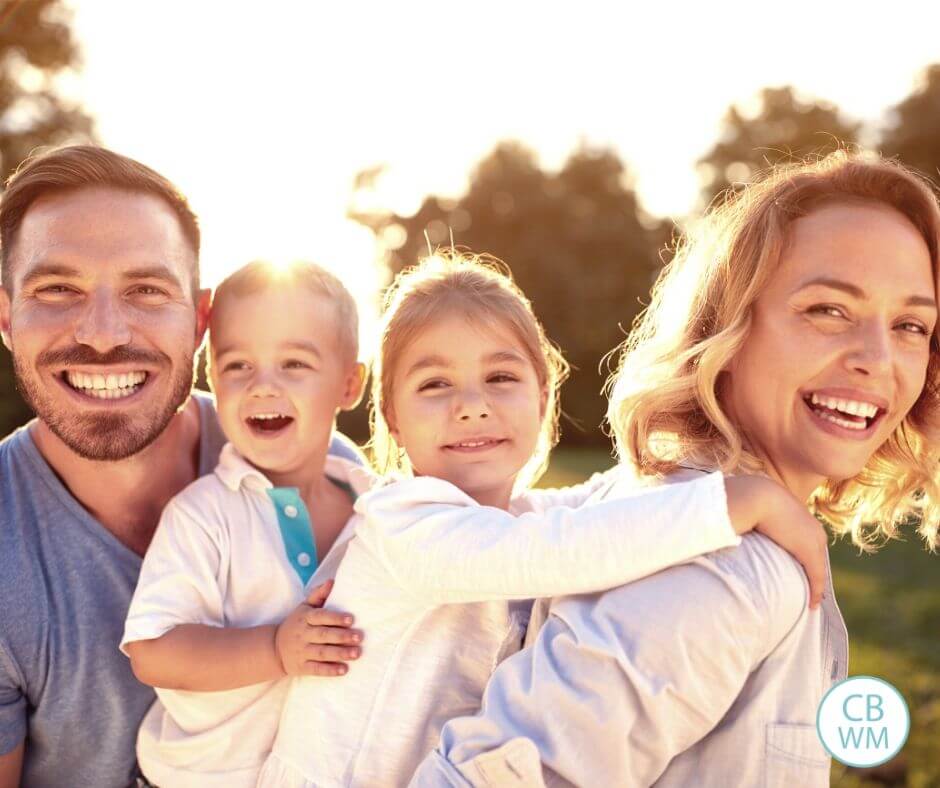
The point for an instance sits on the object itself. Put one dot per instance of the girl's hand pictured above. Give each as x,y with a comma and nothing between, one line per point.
312,641
761,504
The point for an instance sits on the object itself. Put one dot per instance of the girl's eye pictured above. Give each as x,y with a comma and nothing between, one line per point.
431,385
827,310
502,377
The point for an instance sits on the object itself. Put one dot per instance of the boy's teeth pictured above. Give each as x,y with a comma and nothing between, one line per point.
109,386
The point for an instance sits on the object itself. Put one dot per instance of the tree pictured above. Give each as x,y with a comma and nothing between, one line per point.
784,128
577,241
914,131
36,45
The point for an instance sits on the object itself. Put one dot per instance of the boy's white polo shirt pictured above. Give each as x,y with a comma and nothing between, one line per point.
226,553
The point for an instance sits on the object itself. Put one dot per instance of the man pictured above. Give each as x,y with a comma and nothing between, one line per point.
101,308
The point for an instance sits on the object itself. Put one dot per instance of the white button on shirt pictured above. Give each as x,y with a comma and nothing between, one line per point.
218,558
291,511
303,559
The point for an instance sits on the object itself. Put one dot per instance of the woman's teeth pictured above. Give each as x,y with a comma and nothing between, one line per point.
851,414
850,406
106,386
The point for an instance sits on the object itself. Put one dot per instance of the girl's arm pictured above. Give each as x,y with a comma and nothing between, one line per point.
443,547
576,494
175,634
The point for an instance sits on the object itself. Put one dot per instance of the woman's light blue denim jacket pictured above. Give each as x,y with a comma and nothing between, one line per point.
705,674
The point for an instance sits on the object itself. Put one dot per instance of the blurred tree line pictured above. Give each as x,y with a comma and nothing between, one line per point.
577,239
36,46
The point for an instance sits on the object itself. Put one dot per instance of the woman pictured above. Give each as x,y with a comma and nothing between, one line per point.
793,334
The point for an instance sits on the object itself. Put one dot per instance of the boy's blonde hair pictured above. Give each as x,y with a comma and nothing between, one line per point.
664,404
480,289
260,276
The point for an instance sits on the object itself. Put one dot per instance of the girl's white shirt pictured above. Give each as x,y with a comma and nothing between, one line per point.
438,584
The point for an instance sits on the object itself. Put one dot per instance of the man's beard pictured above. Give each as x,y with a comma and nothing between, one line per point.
104,436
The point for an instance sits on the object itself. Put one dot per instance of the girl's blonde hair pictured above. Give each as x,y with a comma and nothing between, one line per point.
480,289
664,402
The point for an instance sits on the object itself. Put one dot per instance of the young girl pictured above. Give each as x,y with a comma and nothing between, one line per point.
465,401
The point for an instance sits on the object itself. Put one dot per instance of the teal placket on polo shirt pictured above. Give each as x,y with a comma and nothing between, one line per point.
296,531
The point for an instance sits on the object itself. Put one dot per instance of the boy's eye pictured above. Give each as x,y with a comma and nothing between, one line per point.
235,366
432,384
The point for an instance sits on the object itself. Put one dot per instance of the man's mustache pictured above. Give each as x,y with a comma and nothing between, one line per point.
82,355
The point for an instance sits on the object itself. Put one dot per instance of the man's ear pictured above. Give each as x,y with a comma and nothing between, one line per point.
5,318
355,386
203,302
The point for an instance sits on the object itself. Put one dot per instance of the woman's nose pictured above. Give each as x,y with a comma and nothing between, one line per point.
103,324
873,355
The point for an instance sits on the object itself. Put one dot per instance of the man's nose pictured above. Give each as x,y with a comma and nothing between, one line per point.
471,404
103,324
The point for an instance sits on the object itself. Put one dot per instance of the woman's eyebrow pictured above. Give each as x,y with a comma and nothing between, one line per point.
857,292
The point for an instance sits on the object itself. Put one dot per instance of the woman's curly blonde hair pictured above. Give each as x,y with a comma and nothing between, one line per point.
479,288
665,404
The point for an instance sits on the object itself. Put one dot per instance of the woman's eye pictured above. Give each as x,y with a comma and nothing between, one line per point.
827,310
912,327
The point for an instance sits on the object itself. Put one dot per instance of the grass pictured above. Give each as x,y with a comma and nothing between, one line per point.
891,605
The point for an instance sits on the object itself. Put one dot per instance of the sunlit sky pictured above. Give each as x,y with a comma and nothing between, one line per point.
264,112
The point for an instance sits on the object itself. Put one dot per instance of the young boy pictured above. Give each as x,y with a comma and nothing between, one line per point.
224,610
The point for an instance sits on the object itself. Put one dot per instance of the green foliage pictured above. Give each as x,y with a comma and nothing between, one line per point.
578,244
785,128
914,133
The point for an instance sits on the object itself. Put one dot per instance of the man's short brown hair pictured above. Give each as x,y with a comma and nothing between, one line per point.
77,166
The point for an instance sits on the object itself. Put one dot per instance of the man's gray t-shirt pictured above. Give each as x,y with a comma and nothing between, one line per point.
65,586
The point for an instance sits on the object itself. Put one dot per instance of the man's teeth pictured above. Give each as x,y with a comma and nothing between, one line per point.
850,406
106,386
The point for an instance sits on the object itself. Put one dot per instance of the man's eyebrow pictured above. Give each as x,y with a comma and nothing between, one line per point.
858,292
44,270
160,272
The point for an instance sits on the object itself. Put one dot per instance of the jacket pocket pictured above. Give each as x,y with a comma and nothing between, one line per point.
794,756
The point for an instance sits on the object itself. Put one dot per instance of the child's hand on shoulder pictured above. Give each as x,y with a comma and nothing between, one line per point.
761,504
312,641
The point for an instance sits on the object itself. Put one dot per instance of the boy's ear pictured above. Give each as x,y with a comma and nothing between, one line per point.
355,386
5,318
203,305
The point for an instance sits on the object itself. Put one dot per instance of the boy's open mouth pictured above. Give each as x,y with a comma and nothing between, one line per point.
268,423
